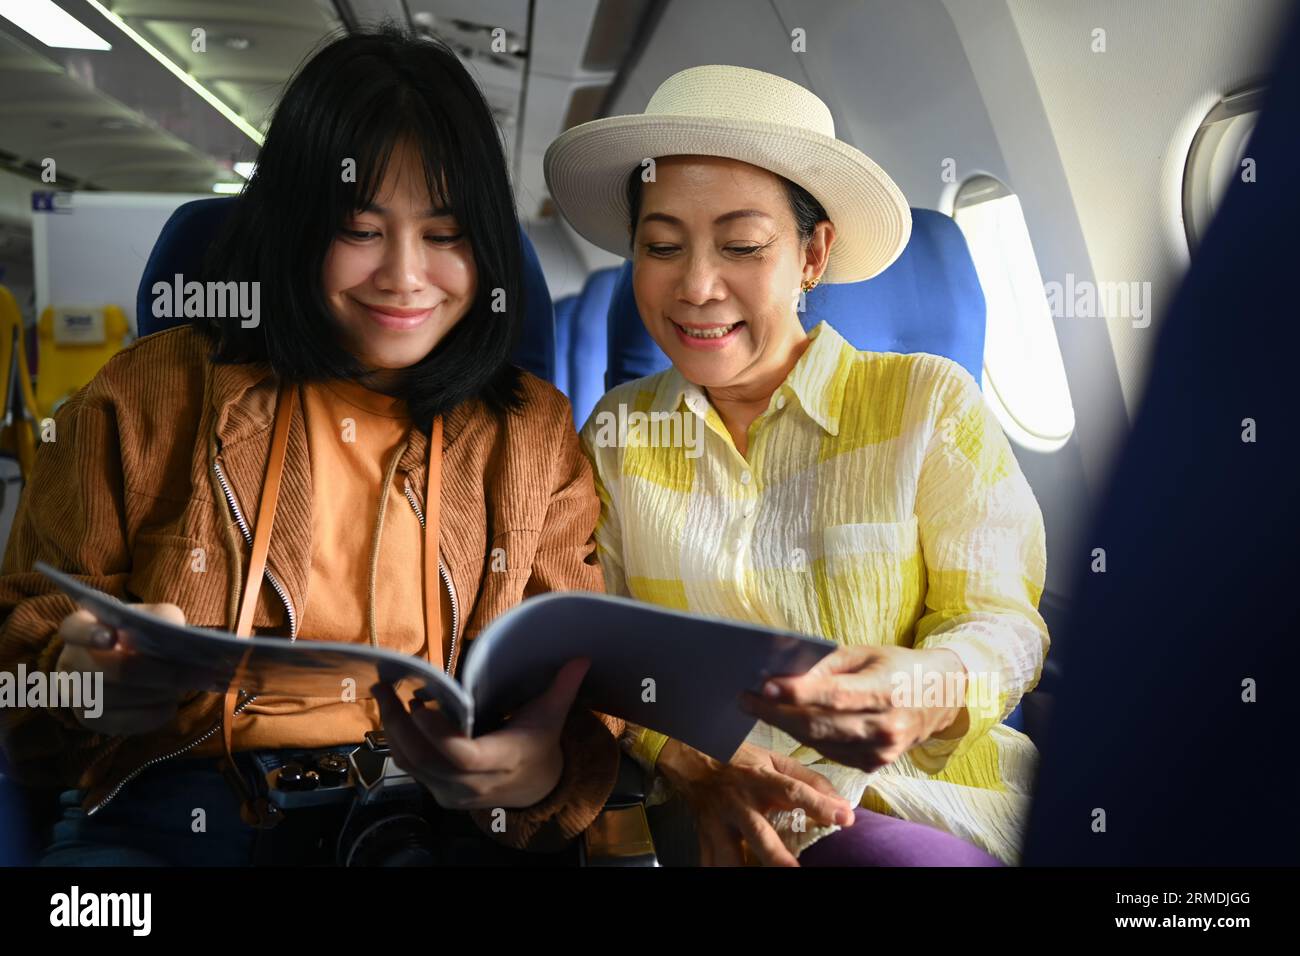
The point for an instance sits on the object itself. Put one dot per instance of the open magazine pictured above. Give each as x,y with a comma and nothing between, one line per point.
677,673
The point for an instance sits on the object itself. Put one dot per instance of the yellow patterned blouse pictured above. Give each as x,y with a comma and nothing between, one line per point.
879,504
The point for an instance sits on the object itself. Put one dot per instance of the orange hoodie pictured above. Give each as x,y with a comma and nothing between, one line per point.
147,491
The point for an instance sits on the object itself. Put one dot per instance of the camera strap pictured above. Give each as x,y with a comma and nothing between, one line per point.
258,811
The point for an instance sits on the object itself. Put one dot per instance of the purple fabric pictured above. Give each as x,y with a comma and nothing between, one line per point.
879,840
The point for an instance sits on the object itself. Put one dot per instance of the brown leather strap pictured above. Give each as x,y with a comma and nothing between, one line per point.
433,639
256,569
266,509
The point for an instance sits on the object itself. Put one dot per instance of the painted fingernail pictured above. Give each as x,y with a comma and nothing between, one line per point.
102,637
770,689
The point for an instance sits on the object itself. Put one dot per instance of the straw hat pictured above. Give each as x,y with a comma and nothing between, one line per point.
740,114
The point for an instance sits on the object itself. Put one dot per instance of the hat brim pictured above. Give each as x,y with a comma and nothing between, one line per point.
587,169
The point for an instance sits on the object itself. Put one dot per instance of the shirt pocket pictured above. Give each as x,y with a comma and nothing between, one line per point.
874,581
173,569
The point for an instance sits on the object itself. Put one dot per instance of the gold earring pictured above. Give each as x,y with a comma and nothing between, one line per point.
809,284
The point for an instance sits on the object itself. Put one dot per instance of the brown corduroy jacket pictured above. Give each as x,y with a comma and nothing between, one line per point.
161,458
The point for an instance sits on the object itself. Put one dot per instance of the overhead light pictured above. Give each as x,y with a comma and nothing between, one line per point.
211,98
245,169
52,25
227,188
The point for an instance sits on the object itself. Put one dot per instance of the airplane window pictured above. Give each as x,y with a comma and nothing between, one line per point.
1024,376
1218,152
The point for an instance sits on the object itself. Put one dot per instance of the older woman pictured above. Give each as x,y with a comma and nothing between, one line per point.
867,497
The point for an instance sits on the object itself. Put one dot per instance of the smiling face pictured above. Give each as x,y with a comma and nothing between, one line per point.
717,267
400,274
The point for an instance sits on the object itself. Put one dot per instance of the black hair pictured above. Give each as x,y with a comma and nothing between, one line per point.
350,105
806,209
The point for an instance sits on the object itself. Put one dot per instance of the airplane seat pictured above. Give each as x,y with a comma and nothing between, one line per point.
18,408
191,228
15,835
73,343
1158,720
928,300
587,347
564,311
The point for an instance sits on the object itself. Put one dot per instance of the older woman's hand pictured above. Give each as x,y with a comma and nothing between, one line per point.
862,706
513,767
730,801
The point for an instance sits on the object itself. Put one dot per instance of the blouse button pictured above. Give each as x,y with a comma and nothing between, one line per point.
744,477
780,402
749,508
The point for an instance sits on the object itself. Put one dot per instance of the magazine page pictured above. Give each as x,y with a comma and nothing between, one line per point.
679,674
210,660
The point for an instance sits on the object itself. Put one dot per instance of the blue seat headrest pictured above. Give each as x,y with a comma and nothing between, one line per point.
929,300
186,236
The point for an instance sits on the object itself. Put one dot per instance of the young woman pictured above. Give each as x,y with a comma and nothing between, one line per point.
372,404
867,497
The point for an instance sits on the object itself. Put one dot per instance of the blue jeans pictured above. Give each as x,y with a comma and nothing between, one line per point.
153,821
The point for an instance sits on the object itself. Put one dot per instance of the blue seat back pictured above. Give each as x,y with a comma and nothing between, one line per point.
929,300
565,309
586,354
192,227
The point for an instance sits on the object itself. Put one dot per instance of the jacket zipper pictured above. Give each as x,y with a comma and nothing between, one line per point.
451,588
157,760
248,539
293,634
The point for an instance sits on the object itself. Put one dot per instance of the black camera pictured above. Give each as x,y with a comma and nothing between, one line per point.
385,812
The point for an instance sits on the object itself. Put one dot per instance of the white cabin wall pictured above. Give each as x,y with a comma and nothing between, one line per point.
1124,120
560,263
566,258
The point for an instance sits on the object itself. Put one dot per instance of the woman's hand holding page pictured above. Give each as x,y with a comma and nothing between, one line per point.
849,707
516,766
